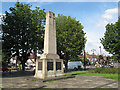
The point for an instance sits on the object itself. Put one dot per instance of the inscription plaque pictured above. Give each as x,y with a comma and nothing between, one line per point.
39,65
58,65
49,66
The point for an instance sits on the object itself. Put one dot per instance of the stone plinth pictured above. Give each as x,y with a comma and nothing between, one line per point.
46,68
49,65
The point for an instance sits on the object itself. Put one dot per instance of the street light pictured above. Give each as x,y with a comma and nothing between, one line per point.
93,50
93,54
100,49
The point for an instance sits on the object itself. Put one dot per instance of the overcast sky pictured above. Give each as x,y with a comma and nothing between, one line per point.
92,15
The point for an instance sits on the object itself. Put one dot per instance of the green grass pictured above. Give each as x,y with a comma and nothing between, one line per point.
86,73
33,80
27,79
107,70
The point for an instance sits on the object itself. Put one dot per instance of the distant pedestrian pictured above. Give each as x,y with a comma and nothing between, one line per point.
13,62
19,65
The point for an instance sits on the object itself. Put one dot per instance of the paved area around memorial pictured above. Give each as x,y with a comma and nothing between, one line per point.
28,81
83,82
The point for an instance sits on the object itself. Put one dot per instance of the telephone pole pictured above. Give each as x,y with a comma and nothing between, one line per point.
84,60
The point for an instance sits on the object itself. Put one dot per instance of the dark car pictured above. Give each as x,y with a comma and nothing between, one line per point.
4,69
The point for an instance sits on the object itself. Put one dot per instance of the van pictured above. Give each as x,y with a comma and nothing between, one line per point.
75,65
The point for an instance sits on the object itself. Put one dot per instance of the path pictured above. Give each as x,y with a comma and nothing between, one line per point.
83,82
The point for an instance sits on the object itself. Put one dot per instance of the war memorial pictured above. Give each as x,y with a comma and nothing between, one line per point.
50,64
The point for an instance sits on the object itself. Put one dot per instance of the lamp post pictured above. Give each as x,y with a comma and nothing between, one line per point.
93,50
93,54
100,49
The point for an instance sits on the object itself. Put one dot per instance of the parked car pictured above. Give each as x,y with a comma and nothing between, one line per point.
98,65
4,69
75,65
107,66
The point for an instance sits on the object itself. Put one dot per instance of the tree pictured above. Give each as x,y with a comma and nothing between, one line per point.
111,39
5,59
23,30
70,38
100,57
86,60
116,57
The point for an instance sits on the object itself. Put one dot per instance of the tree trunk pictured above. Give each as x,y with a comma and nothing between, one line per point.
23,59
23,64
35,55
66,65
66,62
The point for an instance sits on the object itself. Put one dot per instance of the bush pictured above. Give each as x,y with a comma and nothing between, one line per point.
104,70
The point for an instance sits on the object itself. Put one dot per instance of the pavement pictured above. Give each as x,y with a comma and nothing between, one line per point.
26,80
83,82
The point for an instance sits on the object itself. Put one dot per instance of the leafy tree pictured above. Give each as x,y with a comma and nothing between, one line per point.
70,38
75,58
86,60
111,39
5,59
116,57
23,30
100,57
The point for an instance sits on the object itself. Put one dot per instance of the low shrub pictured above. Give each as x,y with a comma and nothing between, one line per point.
104,70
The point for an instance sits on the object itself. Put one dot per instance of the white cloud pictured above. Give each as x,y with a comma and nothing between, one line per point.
110,13
102,24
93,37
30,0
93,42
109,16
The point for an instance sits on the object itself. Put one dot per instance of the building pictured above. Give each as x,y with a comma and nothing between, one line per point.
94,58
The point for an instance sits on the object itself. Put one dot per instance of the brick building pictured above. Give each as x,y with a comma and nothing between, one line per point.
94,58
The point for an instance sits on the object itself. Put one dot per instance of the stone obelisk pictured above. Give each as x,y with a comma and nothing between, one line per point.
49,65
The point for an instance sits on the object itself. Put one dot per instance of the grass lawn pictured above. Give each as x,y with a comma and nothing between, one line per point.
86,73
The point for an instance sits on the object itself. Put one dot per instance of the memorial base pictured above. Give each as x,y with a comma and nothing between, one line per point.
49,66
